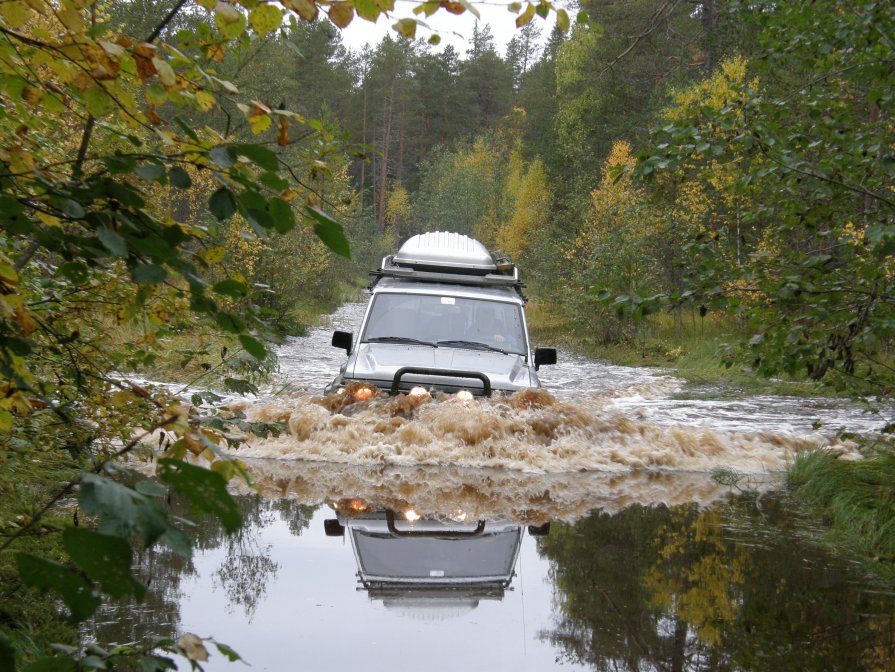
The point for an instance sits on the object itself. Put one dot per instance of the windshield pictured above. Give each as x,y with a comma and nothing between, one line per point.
448,321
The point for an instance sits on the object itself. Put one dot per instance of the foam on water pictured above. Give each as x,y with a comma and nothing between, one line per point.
530,431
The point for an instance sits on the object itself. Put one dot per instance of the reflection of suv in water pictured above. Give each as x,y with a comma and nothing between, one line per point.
444,315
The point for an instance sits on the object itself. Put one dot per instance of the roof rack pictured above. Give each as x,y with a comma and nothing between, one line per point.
449,258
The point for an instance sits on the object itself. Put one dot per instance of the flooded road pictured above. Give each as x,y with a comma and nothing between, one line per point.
577,529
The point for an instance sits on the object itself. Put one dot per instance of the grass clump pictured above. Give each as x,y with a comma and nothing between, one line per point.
29,620
856,501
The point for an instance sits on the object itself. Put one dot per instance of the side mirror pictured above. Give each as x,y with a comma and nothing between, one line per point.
542,356
333,528
343,339
539,530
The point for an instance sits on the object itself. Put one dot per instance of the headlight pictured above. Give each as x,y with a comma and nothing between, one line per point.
464,395
418,392
363,394
411,515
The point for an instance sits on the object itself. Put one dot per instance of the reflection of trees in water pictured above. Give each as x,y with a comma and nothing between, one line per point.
726,588
247,569
244,573
296,516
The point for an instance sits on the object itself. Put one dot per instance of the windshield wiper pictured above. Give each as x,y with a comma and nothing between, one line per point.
473,345
400,339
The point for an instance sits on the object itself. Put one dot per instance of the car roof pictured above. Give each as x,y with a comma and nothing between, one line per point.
395,285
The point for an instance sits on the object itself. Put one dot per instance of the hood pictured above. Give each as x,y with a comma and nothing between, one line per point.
378,363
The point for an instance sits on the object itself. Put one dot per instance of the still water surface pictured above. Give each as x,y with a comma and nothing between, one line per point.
578,530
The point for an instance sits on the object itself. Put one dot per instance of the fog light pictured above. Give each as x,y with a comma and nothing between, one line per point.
464,395
411,515
363,394
418,392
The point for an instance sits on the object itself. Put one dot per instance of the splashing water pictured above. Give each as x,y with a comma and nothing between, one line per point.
590,417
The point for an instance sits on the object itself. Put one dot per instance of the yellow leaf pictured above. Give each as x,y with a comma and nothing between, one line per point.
259,123
341,14
165,72
71,18
406,27
207,4
205,100
562,20
216,254
8,275
306,9
16,14
192,647
19,160
225,468
39,6
265,19
6,420
526,16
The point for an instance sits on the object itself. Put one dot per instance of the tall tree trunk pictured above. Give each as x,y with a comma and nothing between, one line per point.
383,175
363,140
708,26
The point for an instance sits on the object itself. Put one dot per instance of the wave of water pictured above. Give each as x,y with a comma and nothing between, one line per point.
591,416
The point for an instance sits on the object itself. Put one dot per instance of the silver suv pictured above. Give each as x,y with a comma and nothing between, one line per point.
444,315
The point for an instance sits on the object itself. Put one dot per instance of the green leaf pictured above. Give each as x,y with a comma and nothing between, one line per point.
105,559
112,241
240,386
282,214
231,323
150,488
255,348
148,274
52,664
330,232
222,156
225,650
232,288
151,172
258,155
274,181
74,271
72,208
222,204
206,490
77,593
123,512
98,102
180,178
120,164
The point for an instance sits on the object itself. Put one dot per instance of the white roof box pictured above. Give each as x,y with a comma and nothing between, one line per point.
445,250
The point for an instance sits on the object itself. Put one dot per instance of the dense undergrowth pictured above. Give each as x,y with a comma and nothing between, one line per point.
855,500
698,349
28,619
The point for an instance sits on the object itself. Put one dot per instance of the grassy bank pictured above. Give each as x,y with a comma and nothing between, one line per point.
855,501
28,619
692,348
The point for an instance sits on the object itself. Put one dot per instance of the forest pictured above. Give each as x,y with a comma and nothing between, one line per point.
183,183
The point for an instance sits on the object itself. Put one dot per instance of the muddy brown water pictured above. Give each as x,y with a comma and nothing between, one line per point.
579,528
